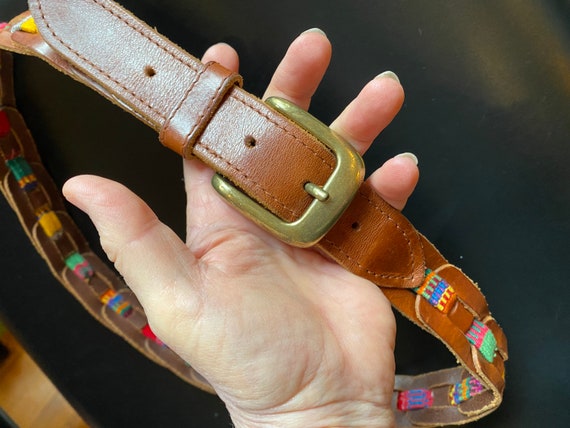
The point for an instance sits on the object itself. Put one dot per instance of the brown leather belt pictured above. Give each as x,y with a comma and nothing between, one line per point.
279,166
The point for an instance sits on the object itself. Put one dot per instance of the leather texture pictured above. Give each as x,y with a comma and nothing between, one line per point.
200,110
55,249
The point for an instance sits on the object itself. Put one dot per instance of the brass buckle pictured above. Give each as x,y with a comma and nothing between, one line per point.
330,201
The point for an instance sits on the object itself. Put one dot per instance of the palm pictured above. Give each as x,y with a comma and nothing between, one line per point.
295,322
283,334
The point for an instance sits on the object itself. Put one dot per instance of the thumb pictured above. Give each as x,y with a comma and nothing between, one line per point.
149,255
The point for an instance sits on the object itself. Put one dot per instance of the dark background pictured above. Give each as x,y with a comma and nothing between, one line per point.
487,112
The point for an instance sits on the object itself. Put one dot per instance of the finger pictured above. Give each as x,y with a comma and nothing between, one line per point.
396,179
147,253
197,176
224,54
371,111
302,68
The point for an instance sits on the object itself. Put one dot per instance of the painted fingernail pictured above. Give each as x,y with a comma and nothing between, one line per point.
408,155
389,75
315,30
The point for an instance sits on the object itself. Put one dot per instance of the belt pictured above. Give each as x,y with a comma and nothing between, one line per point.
275,163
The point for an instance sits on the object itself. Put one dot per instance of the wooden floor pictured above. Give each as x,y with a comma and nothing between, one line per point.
28,397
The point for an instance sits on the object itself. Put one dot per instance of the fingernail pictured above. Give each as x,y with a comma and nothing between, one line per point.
315,30
388,74
409,155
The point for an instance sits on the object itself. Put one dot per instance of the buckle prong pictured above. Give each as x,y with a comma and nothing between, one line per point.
330,200
316,191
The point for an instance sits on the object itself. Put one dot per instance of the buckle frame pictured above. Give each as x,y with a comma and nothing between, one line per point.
330,201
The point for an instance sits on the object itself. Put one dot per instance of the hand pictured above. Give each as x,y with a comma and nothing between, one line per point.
286,337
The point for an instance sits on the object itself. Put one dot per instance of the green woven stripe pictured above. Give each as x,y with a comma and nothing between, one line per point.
488,346
73,260
19,167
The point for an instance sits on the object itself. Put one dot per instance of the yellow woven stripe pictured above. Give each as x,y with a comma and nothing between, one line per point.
50,223
29,26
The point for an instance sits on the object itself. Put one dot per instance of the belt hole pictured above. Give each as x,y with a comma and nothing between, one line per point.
355,226
149,71
250,142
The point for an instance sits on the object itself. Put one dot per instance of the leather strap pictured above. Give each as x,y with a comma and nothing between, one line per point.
35,198
200,110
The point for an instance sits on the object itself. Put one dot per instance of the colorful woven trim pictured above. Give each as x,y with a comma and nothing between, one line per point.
79,266
48,219
464,390
437,292
147,331
480,336
50,223
22,171
5,126
24,175
28,25
116,302
414,399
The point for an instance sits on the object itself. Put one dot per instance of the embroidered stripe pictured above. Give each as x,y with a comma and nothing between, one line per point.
19,167
116,302
22,172
480,336
28,25
146,330
437,292
464,390
415,399
79,266
28,183
5,126
50,223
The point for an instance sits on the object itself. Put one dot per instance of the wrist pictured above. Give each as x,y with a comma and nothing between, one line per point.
337,415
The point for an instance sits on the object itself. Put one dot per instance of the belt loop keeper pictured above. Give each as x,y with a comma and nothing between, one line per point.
198,105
